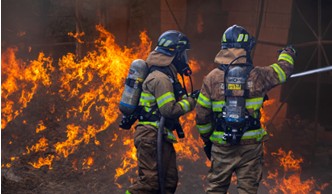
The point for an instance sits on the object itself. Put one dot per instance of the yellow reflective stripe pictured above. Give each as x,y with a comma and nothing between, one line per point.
147,109
254,103
246,37
203,129
224,38
161,42
152,123
171,136
258,134
204,101
240,38
217,136
218,105
168,42
254,134
165,98
185,105
127,192
147,97
280,72
286,57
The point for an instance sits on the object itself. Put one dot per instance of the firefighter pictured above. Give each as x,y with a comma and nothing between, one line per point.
161,96
228,111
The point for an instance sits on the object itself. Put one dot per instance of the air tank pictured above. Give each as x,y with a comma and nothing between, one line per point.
133,86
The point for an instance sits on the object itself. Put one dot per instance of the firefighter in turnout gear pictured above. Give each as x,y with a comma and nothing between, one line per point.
162,96
228,111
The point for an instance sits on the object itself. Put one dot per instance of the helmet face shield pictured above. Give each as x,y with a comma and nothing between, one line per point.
181,63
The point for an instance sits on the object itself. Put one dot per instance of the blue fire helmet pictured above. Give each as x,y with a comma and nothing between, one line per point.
172,42
237,37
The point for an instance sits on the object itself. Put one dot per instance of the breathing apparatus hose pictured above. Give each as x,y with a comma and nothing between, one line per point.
160,142
191,84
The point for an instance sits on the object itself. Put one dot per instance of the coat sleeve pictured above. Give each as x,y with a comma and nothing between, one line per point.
204,114
275,74
162,89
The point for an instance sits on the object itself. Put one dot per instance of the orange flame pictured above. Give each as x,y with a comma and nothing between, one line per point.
91,88
41,145
290,184
190,146
77,36
129,160
43,161
20,82
264,116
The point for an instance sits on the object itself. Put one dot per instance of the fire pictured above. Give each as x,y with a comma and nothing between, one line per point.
77,36
89,87
20,81
290,181
41,145
88,162
190,146
264,116
40,127
43,161
128,160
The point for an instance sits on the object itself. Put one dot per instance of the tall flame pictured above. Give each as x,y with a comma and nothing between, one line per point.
20,81
89,88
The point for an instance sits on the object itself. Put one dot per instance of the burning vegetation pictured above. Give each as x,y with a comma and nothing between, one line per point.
59,121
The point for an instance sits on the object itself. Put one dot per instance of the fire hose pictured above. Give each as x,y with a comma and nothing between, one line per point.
160,142
318,70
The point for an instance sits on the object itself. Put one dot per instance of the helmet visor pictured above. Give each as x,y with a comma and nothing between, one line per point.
181,63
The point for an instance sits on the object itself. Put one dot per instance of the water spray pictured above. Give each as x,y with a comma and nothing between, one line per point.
318,70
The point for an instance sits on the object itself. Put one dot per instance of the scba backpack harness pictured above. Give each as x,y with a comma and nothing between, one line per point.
129,104
234,119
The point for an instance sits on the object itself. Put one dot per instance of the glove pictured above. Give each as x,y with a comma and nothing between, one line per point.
127,121
288,49
192,102
207,149
195,94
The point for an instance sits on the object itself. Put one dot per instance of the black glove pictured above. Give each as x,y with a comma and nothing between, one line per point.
207,149
195,94
290,50
127,121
